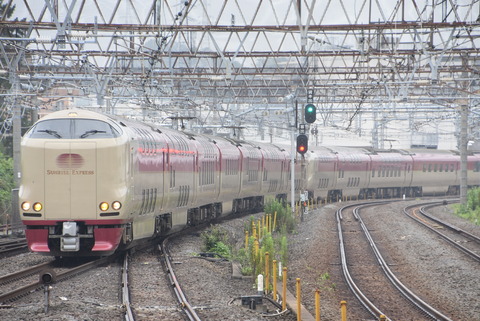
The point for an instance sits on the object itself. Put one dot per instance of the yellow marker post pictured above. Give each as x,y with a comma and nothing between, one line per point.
266,224
254,230
246,240
284,289
256,247
299,301
274,221
267,270
274,274
259,226
343,310
317,305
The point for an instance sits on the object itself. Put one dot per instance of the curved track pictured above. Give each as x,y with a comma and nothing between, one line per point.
421,306
166,281
187,308
457,237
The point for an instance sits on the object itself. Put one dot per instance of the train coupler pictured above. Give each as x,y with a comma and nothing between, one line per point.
70,241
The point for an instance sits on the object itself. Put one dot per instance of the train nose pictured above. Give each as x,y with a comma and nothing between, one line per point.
72,180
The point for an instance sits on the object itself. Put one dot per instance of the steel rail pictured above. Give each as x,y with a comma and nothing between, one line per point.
406,292
369,306
22,291
187,308
125,290
423,211
11,246
24,273
469,252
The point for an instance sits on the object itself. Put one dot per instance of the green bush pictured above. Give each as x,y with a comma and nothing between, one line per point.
274,243
221,249
470,211
215,240
285,217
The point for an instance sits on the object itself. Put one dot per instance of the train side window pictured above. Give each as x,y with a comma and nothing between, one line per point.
424,168
452,167
429,167
435,168
477,167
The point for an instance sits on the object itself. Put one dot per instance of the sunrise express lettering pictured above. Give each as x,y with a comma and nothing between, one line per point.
69,172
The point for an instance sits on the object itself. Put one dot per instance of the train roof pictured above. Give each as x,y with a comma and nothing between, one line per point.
76,113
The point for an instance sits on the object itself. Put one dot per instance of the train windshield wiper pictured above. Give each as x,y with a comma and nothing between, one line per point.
91,132
50,132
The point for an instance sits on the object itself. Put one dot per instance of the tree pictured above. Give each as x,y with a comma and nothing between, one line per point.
6,185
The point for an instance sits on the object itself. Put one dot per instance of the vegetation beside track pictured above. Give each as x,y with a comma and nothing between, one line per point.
470,211
267,234
6,186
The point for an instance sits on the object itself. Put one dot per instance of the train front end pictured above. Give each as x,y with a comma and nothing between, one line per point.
73,184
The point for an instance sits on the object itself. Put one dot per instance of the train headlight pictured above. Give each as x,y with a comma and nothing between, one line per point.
26,206
104,206
116,205
37,207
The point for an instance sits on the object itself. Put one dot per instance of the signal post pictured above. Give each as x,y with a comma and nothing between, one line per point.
310,116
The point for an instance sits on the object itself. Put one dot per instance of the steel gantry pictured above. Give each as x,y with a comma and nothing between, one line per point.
232,62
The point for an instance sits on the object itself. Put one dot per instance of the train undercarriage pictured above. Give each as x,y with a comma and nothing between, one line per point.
380,193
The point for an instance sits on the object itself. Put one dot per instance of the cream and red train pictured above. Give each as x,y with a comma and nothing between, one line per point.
92,183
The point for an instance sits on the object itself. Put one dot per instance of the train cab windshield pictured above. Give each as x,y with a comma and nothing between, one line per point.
73,129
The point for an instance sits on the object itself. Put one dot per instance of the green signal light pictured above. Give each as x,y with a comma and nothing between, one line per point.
310,113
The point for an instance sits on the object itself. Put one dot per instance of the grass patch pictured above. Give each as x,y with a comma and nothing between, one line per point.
470,211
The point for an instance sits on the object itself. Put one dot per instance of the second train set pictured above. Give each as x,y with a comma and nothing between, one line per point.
93,183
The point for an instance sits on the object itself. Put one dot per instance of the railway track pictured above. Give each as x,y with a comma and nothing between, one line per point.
8,246
186,306
170,301
458,238
137,274
367,275
26,281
